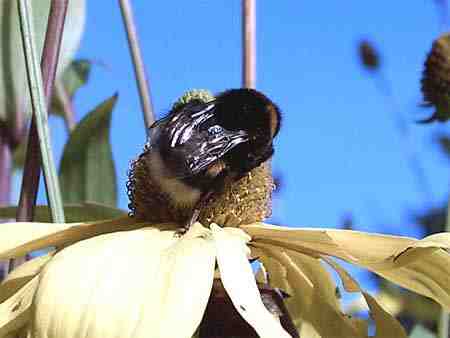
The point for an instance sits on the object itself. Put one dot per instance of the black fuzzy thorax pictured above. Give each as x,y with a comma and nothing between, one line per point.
249,110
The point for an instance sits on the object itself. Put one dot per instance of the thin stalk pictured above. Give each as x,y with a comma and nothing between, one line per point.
5,169
39,93
443,327
249,43
442,7
138,63
5,176
412,158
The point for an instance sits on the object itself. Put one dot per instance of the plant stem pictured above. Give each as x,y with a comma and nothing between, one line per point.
138,63
248,43
401,125
443,325
5,169
5,179
40,96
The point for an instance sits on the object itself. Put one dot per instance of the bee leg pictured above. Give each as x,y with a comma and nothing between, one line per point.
217,185
194,218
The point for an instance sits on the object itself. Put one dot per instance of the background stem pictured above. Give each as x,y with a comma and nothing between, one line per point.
41,90
5,169
249,43
32,170
403,129
138,63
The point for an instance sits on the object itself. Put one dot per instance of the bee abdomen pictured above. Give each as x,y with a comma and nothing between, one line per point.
147,201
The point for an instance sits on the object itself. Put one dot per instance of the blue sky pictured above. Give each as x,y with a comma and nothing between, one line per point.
338,150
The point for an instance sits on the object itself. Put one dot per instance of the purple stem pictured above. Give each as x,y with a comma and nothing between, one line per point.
49,61
5,169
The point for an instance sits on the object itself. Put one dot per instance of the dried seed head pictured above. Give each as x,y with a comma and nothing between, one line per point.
368,55
245,201
436,79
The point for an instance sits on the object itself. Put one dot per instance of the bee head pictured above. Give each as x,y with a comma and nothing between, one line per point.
254,113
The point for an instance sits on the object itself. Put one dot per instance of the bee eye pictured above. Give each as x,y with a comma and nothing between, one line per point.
214,130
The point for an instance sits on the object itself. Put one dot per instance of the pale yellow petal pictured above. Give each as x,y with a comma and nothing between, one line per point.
386,324
346,244
422,266
142,283
285,275
17,239
429,275
22,275
397,301
239,282
307,330
190,267
439,240
16,311
314,302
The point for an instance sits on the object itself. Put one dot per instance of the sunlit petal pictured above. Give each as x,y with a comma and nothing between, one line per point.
15,312
239,282
17,239
314,301
422,266
22,275
386,324
142,283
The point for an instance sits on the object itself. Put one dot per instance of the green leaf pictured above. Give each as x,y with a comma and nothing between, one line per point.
75,76
87,170
421,332
13,82
83,212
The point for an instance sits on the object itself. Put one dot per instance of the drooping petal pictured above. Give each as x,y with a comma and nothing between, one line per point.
15,312
22,275
239,282
142,283
386,324
313,303
422,266
17,239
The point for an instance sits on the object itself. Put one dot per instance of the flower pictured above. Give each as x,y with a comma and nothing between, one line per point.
118,278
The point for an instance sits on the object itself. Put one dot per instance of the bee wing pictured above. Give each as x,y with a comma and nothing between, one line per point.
177,128
189,142
202,149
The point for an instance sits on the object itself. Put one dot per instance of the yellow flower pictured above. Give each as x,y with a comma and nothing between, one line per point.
120,279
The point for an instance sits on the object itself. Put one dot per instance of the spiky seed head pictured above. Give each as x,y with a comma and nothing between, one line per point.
436,79
368,55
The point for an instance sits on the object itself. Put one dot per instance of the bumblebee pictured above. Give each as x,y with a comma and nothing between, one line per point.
207,160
